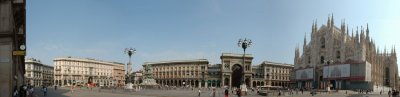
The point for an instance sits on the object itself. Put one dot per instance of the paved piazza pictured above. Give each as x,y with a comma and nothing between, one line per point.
84,92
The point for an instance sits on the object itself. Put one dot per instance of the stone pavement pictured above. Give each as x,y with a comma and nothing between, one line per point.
96,92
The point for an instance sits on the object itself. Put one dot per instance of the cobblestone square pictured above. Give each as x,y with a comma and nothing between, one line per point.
96,92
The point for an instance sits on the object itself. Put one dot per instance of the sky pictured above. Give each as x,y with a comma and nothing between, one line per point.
162,30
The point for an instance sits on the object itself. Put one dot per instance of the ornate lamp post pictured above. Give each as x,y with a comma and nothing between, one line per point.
130,52
244,45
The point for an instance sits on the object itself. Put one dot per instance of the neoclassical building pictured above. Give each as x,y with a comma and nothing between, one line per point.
37,73
342,58
180,72
119,73
271,73
75,71
200,73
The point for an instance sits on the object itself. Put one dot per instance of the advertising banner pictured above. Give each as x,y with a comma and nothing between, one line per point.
336,71
305,74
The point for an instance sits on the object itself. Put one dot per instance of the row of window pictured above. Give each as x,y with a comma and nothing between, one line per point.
178,67
228,67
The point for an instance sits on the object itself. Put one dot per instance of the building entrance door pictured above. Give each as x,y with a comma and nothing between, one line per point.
332,84
236,75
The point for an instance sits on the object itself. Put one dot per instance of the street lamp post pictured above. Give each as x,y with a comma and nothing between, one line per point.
244,45
130,52
328,62
69,70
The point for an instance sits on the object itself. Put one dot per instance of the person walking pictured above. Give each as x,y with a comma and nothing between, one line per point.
302,90
31,91
389,93
213,92
15,94
199,92
226,92
72,89
239,93
44,91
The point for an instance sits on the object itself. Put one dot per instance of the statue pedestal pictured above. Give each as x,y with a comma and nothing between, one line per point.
149,82
129,86
243,87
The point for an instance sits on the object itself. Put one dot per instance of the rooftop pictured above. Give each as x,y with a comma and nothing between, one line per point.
87,60
179,61
279,64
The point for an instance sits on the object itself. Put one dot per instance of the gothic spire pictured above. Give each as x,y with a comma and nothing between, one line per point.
332,21
329,21
305,40
343,27
384,51
394,50
352,34
347,29
313,27
357,36
391,50
367,32
316,25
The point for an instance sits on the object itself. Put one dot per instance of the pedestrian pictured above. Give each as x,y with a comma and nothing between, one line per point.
72,89
226,92
199,92
213,92
25,90
380,93
291,91
389,93
239,92
31,91
55,87
15,94
302,90
279,93
44,91
22,91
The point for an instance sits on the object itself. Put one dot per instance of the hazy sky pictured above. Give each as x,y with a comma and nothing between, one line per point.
163,30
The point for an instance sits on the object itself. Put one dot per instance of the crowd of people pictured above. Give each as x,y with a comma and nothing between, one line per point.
27,91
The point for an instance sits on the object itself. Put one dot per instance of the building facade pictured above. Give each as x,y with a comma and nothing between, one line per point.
137,77
338,59
273,74
38,74
12,40
180,72
199,73
119,74
75,71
